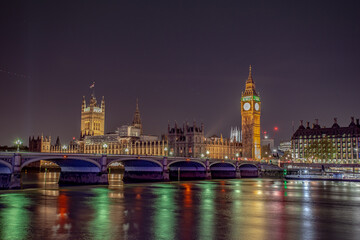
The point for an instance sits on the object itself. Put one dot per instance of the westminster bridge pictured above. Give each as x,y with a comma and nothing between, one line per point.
93,168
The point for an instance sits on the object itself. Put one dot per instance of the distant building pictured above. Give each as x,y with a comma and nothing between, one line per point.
128,139
40,144
285,146
321,144
235,134
190,141
267,146
129,131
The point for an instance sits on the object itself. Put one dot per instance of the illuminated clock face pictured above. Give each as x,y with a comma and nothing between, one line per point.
246,106
257,106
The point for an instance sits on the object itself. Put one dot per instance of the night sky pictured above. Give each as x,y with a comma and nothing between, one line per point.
184,60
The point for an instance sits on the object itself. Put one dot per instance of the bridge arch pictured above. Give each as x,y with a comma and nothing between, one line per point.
222,163
248,170
69,163
5,167
195,163
221,170
187,170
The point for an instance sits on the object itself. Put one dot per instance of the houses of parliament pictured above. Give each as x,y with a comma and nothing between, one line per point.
184,140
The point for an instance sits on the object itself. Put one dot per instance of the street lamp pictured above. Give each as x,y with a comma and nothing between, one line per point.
105,146
126,150
165,150
226,157
202,155
207,153
18,142
171,153
64,148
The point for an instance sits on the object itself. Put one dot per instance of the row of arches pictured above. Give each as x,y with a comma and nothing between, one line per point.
145,169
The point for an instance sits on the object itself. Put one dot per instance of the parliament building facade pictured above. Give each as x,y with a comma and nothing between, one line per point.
180,141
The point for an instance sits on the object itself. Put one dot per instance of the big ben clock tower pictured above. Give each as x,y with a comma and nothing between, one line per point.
250,120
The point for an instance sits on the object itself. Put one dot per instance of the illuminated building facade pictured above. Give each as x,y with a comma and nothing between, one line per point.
40,144
250,120
190,141
92,117
326,145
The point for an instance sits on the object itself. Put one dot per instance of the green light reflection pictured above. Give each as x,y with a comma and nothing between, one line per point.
14,217
164,217
207,209
100,225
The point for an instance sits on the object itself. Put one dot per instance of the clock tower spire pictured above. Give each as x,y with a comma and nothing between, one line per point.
250,120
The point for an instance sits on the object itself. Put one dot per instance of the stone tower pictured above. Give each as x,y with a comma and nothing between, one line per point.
92,117
250,120
137,120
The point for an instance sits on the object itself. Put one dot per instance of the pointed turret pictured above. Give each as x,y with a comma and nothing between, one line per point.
103,104
137,120
83,105
250,85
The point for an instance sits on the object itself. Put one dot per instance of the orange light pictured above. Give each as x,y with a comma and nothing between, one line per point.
65,156
276,128
188,159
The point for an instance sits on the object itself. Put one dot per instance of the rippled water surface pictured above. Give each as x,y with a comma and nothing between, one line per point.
223,209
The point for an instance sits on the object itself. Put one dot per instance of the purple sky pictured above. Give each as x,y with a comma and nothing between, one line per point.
184,60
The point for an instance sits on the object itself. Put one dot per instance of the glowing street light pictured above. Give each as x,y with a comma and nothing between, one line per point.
202,155
126,150
18,142
105,146
64,148
226,157
171,153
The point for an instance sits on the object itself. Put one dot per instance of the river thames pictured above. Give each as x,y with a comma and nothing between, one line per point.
215,209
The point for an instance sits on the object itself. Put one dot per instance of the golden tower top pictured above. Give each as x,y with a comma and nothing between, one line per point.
250,85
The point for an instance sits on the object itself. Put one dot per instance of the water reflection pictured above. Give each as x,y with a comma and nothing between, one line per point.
222,209
14,216
164,211
100,224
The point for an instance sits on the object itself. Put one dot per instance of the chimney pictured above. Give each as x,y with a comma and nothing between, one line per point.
317,121
335,120
352,120
307,124
301,122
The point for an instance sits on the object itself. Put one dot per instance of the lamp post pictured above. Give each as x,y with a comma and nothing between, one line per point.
165,150
18,142
105,146
207,153
64,148
126,150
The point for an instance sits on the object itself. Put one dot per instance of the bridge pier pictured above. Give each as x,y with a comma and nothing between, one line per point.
166,175
208,171
15,180
237,170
